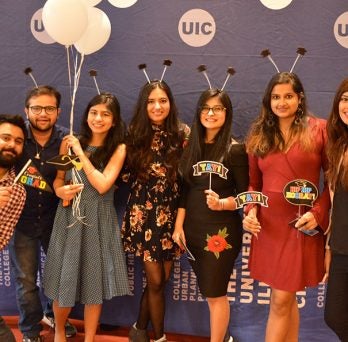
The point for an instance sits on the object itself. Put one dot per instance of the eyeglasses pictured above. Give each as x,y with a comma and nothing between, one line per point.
38,109
216,109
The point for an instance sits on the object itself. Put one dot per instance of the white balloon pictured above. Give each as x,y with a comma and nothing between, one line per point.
122,3
91,3
97,33
276,4
65,20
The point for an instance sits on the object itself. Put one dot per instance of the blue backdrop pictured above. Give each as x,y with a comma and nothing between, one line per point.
218,33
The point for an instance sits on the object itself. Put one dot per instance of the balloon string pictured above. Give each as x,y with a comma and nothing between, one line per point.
76,211
76,84
69,71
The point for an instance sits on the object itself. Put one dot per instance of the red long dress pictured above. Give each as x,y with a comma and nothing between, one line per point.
281,256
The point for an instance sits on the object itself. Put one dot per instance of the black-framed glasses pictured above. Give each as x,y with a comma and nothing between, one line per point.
216,109
38,109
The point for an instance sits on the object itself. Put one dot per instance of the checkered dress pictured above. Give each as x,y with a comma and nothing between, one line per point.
85,262
9,214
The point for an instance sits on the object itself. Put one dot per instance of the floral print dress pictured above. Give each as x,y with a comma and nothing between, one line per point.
151,209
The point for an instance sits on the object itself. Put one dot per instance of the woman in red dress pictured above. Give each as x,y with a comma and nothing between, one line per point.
286,143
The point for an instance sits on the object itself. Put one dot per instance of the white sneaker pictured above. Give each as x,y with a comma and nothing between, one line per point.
70,330
48,321
162,339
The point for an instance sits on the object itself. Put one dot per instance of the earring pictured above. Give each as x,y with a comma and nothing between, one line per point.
270,121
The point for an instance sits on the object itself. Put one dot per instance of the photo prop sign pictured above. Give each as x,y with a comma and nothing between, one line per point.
65,162
207,166
249,197
188,252
30,176
301,192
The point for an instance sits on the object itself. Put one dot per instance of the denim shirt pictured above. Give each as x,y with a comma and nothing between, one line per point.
40,206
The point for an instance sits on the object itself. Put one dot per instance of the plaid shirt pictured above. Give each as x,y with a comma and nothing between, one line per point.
9,214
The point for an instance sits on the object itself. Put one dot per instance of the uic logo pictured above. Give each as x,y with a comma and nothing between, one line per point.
341,29
197,27
38,30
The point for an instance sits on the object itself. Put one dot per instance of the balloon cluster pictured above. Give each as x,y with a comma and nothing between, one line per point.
78,23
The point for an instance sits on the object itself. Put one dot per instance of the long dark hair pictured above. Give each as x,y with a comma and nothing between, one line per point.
264,135
337,145
114,137
141,133
194,151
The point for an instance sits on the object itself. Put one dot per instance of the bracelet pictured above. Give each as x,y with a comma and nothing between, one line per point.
221,202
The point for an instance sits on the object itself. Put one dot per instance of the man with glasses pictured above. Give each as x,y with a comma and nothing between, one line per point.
34,227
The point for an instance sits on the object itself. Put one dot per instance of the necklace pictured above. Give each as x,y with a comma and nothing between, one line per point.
37,155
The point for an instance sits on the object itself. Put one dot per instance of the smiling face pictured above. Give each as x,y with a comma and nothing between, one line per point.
158,106
100,119
11,144
213,116
43,121
284,102
343,108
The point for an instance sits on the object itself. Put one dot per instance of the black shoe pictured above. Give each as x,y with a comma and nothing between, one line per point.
137,335
70,330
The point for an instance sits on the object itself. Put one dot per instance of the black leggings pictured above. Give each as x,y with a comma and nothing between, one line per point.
152,303
336,306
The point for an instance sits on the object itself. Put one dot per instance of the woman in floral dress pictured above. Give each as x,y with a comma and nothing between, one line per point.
155,142
207,218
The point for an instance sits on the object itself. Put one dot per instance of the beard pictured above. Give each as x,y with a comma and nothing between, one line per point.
45,128
7,161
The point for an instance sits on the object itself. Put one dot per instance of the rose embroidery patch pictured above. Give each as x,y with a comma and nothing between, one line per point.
217,243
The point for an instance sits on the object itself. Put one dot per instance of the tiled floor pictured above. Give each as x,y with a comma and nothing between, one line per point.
115,335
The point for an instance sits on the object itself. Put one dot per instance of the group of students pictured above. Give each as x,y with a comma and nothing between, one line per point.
172,208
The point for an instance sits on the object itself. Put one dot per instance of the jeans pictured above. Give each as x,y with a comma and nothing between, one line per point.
336,306
5,332
25,264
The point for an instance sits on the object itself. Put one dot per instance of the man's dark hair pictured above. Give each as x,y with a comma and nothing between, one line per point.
15,120
43,90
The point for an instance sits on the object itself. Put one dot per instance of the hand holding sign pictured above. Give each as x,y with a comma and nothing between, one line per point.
30,176
307,224
208,166
249,197
302,192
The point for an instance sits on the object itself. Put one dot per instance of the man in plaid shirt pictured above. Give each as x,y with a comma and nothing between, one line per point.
12,196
